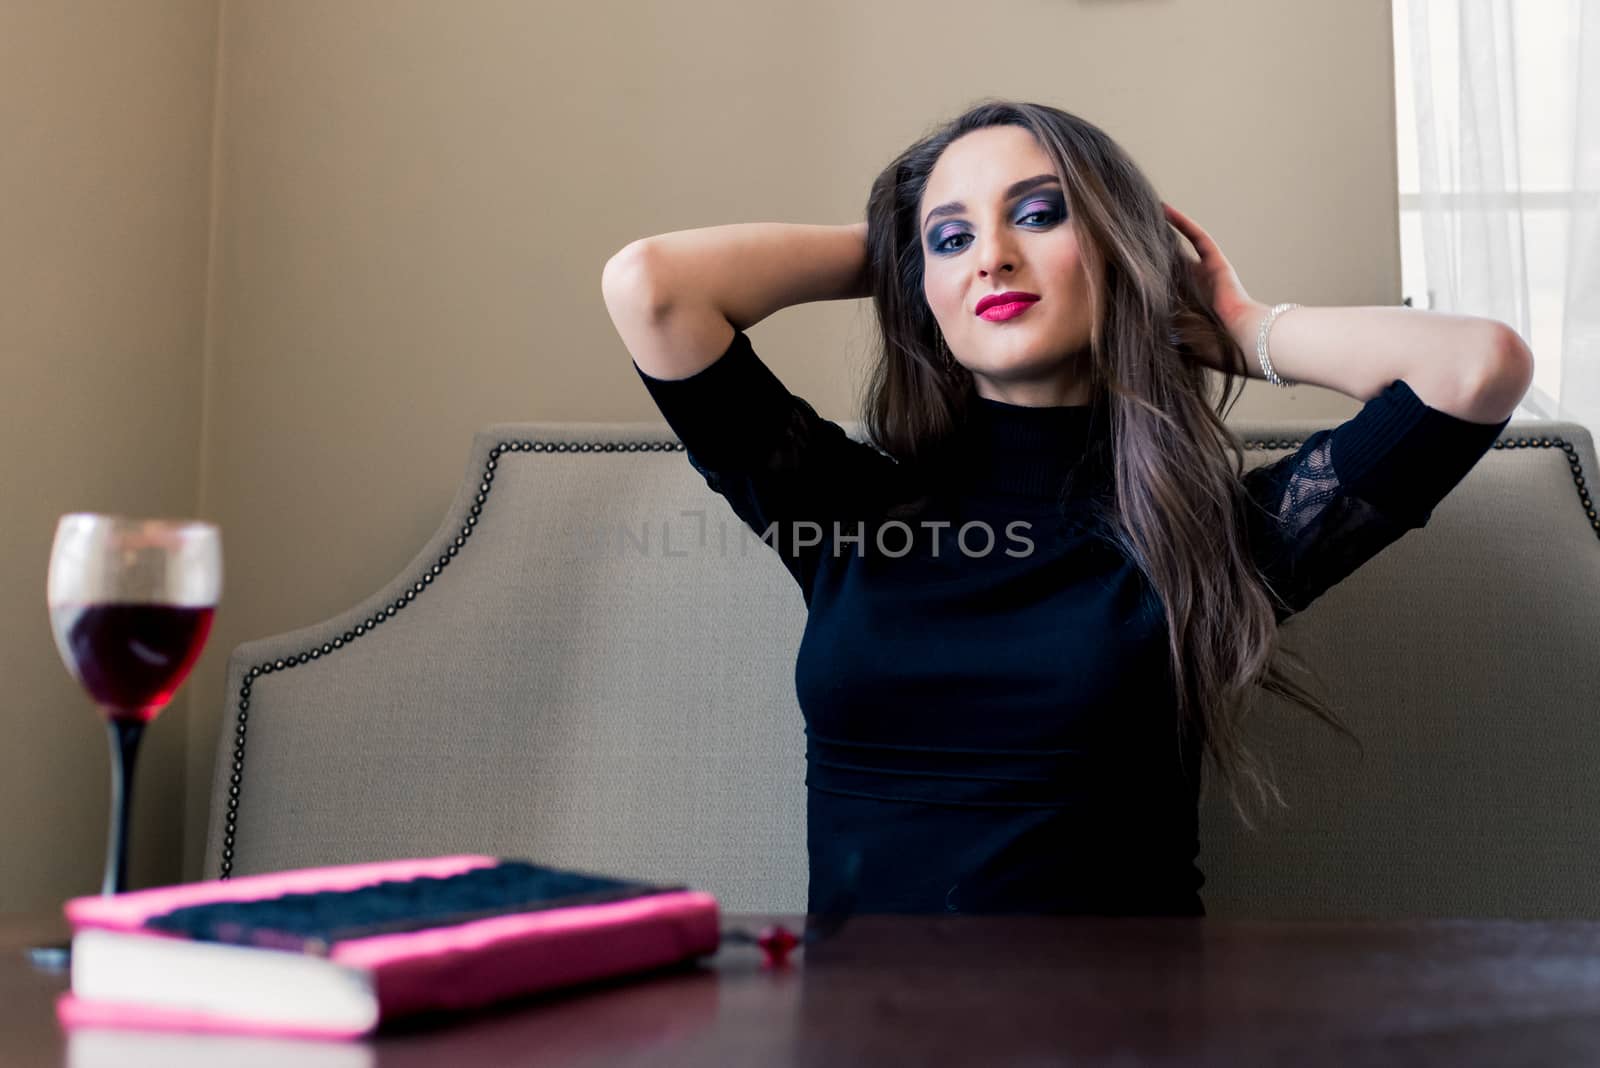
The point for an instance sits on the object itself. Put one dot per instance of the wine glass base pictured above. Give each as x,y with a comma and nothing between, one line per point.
52,957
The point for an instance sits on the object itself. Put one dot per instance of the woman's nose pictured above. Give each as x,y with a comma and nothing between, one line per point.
994,257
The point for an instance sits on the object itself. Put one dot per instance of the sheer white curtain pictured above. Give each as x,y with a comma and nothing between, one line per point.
1498,121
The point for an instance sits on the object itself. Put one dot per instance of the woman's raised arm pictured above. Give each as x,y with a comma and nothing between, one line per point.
676,298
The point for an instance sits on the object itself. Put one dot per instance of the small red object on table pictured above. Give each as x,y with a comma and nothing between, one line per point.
776,941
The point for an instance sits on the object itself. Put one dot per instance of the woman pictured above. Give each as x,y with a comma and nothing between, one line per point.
1047,585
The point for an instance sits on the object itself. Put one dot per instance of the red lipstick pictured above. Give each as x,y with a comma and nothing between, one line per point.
997,306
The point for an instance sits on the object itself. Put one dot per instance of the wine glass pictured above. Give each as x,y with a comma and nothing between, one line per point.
131,602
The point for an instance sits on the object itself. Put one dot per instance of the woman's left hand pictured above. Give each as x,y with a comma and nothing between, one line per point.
1216,278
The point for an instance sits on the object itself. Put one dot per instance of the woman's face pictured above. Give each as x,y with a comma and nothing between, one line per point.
998,241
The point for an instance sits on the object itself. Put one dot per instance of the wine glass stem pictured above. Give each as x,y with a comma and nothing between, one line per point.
124,736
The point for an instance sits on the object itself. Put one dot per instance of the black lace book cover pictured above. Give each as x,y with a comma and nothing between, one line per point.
337,951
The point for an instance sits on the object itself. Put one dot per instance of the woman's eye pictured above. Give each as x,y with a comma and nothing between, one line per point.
1049,215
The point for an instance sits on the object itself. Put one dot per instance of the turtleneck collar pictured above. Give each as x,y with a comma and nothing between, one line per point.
1031,452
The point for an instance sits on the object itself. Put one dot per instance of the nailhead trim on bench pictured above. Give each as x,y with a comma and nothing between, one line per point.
486,484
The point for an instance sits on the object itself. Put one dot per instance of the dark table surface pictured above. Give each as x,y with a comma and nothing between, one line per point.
979,990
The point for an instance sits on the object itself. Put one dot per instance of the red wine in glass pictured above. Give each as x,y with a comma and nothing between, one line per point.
130,657
131,602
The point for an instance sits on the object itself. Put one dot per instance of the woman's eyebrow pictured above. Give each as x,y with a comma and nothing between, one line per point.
955,207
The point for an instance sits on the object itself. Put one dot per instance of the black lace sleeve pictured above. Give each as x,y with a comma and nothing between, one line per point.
779,464
1347,493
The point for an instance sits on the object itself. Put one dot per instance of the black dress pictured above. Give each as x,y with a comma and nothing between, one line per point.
989,711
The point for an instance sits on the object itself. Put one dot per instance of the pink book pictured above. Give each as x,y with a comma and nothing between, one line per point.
335,952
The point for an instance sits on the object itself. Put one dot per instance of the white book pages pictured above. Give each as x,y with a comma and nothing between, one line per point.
94,1047
265,986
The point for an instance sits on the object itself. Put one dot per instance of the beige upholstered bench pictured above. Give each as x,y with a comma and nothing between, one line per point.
536,684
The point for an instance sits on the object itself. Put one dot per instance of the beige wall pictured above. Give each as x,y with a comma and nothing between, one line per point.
105,122
414,201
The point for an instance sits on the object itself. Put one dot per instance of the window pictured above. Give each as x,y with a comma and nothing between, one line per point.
1525,99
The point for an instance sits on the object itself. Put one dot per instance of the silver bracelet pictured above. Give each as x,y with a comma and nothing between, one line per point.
1261,346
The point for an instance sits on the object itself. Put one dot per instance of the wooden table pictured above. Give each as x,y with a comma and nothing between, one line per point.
984,990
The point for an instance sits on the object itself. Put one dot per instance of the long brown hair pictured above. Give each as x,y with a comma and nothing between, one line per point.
1178,504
